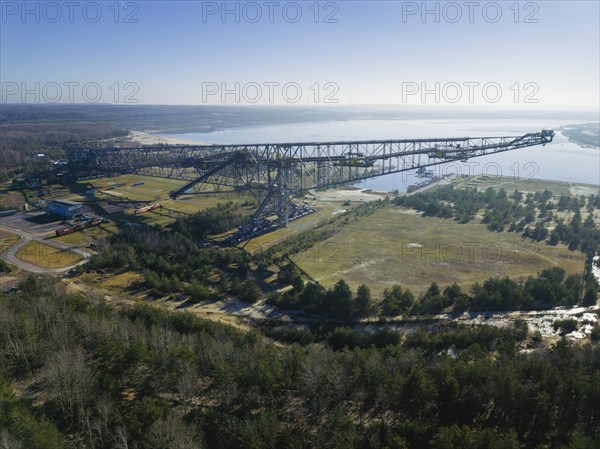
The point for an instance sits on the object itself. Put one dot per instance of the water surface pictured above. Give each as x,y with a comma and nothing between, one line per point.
560,161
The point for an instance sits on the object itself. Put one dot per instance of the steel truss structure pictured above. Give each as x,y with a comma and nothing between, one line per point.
275,172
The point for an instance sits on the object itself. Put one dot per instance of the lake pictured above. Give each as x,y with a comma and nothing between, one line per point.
560,161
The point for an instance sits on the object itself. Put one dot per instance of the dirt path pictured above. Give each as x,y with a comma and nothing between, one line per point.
218,311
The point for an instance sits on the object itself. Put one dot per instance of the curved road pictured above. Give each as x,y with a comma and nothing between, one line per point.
10,255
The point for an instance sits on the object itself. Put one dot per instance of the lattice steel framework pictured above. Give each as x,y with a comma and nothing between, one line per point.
274,172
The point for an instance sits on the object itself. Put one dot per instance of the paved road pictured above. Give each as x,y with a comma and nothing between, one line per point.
10,255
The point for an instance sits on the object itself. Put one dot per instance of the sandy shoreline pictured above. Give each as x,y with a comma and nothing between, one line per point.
146,138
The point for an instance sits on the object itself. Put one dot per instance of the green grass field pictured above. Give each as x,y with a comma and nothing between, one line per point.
111,191
398,246
79,238
47,256
7,239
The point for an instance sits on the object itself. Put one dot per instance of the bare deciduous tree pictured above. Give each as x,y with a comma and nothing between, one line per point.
69,377
174,434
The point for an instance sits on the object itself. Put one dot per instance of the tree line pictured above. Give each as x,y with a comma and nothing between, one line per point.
178,262
535,215
532,214
550,288
94,375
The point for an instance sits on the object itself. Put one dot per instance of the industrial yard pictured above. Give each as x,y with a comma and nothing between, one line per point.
299,225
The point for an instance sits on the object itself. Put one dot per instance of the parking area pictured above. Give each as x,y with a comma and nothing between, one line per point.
36,223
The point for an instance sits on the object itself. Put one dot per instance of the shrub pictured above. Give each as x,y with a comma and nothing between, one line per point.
565,326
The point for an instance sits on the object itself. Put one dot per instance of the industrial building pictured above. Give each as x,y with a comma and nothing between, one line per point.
64,208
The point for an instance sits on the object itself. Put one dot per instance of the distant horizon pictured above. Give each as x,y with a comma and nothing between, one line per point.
395,106
507,54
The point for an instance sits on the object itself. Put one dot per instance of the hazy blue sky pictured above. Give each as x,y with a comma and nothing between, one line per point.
369,52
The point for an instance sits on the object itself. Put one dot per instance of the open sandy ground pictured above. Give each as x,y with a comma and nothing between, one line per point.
146,138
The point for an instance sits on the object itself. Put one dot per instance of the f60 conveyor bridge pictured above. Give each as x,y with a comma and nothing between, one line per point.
274,172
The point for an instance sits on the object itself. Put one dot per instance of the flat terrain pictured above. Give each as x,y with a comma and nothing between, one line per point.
348,194
397,246
558,188
394,245
529,185
145,138
46,256
7,239
115,199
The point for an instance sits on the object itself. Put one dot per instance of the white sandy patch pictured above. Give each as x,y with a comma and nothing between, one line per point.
358,195
540,320
145,138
